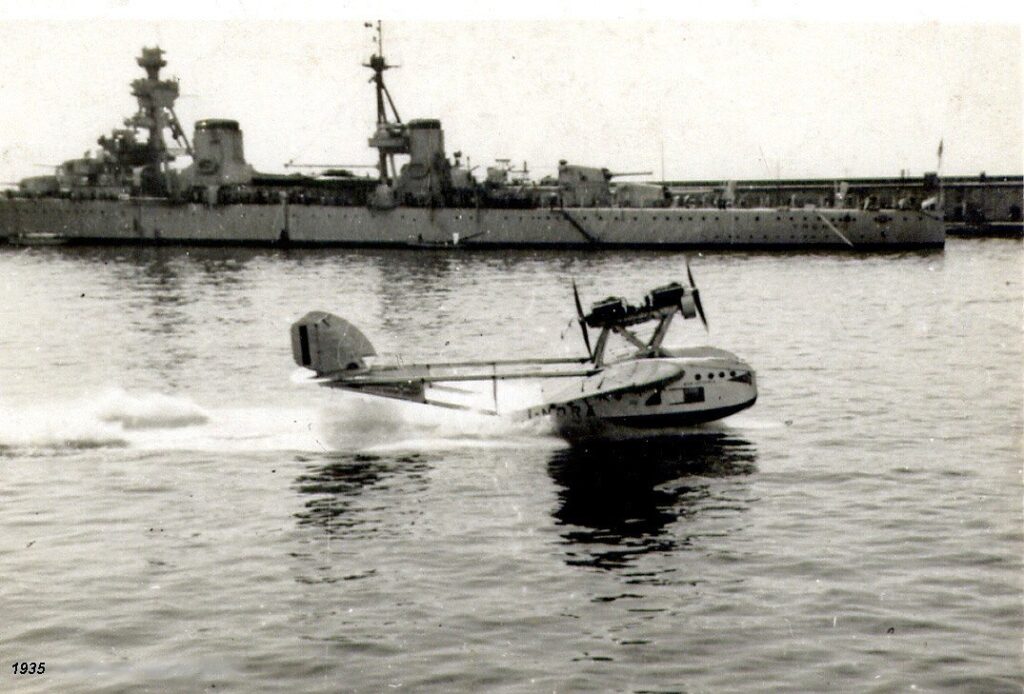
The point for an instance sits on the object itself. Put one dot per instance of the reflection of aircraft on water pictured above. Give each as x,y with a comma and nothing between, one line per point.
651,388
618,499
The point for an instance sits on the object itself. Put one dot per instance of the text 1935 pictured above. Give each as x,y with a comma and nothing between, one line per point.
25,668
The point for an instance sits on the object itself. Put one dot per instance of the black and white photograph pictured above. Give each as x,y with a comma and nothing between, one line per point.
539,347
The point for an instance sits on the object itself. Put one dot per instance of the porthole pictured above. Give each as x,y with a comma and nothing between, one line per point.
732,373
721,374
711,377
697,377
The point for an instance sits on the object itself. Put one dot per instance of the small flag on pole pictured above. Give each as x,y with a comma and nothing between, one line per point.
940,149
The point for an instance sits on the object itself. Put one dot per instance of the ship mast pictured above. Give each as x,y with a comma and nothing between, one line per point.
383,139
156,111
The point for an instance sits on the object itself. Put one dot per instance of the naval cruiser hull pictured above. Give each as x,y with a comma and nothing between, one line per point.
161,221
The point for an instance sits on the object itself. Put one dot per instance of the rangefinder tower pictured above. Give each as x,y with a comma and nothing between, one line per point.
150,160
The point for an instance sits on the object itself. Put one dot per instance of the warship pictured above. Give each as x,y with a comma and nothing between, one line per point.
129,191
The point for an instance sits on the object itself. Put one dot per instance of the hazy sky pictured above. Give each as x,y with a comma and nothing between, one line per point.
716,96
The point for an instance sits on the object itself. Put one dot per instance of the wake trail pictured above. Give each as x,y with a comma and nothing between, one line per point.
149,421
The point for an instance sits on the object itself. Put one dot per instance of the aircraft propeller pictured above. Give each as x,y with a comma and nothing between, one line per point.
696,296
582,320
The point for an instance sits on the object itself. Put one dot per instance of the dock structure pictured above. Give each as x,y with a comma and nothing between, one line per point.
972,205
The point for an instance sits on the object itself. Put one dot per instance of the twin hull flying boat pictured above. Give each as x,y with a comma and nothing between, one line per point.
650,389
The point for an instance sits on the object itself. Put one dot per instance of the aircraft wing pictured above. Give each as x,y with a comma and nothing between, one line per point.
410,382
619,378
460,371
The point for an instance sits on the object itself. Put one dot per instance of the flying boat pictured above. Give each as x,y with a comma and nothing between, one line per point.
647,390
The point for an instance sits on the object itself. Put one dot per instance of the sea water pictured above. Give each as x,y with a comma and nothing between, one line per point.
178,512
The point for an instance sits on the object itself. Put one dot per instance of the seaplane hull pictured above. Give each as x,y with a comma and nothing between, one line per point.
707,385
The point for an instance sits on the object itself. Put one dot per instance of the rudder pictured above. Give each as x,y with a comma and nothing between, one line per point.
326,343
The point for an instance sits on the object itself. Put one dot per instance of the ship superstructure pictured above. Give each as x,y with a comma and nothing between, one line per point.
130,192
